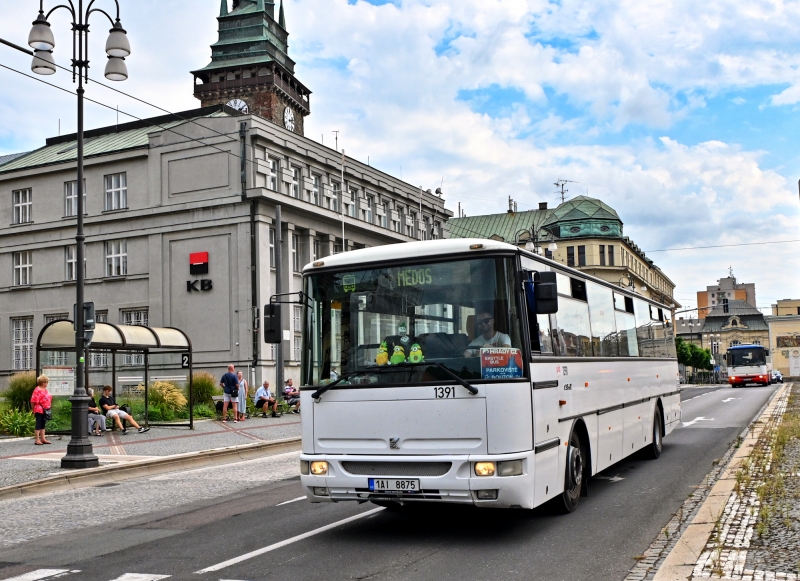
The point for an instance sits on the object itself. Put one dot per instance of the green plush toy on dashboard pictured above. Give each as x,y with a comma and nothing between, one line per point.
416,356
399,355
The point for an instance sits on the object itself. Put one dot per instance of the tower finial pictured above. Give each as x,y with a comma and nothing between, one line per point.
282,17
223,9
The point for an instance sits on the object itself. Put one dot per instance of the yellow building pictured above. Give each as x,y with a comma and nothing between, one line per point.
584,233
786,307
784,341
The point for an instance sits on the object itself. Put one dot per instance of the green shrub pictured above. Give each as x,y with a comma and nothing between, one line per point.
204,387
62,415
17,423
167,396
204,411
20,389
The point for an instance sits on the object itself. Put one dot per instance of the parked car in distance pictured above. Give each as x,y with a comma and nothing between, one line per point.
777,377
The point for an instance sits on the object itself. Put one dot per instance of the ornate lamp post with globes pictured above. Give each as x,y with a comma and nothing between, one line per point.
41,39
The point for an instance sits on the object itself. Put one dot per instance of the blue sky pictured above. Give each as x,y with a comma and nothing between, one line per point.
680,115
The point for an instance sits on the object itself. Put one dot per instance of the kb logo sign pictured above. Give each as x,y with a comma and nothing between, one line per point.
198,264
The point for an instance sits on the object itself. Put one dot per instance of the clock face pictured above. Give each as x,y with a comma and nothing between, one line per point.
239,105
288,119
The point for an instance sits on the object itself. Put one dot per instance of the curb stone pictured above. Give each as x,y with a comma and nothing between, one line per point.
668,539
149,467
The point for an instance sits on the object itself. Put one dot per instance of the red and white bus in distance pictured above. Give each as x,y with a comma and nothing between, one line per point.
475,372
748,364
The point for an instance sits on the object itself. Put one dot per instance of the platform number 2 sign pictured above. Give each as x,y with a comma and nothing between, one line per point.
186,360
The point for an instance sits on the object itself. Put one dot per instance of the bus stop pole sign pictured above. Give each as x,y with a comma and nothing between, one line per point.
186,360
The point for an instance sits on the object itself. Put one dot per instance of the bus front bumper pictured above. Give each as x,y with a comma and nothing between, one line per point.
744,379
456,483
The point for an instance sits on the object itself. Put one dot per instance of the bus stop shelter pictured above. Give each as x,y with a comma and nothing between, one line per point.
117,353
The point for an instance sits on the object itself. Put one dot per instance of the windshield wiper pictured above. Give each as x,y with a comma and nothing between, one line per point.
469,387
464,383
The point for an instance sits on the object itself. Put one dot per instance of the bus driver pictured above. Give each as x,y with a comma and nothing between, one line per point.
488,337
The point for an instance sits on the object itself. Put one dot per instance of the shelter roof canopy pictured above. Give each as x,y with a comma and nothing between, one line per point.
60,336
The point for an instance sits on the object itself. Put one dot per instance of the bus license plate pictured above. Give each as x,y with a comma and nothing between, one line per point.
393,485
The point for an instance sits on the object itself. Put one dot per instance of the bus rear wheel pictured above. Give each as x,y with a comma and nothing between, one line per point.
573,479
656,443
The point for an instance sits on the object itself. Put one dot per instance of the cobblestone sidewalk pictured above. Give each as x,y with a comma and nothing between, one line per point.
757,535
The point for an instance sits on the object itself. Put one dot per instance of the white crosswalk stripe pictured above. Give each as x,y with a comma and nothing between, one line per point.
40,574
48,574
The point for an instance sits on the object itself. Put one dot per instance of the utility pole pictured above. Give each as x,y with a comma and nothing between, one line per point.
341,204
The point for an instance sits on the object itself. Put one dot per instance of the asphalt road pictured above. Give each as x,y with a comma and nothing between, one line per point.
627,507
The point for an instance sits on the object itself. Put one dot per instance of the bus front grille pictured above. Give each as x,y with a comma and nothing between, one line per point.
397,468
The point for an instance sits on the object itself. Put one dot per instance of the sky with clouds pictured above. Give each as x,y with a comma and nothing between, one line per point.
679,114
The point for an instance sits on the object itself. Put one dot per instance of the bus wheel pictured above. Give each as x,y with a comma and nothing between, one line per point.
656,443
573,481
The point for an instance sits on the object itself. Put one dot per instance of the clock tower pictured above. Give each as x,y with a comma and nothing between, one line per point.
250,68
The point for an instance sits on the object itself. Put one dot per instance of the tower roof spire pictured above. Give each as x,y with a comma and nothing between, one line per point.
223,9
282,17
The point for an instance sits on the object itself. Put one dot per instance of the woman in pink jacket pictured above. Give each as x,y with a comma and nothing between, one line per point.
41,400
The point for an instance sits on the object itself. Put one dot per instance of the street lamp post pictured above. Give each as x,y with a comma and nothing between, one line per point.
41,39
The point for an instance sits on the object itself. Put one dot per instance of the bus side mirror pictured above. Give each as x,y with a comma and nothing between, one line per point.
273,330
546,293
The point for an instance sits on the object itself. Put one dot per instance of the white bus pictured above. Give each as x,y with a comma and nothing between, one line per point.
748,364
472,371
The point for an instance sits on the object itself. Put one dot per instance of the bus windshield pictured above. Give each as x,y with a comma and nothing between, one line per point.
747,357
399,325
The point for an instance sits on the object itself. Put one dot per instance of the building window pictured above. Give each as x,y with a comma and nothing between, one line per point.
548,254
315,190
337,248
23,206
116,191
116,258
570,256
272,354
23,268
610,255
71,198
581,256
333,203
296,253
366,212
272,248
602,255
437,226
71,259
297,313
272,176
298,347
295,189
22,343
99,359
384,219
315,252
134,317
56,357
350,203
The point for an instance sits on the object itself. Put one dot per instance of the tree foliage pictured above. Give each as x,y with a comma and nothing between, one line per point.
693,356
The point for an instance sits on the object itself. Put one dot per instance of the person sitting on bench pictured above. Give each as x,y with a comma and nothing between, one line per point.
109,405
264,400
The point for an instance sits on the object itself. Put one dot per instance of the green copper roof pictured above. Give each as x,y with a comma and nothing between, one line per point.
504,227
104,142
249,35
583,208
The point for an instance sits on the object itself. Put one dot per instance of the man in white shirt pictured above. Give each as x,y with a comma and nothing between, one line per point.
488,337
263,400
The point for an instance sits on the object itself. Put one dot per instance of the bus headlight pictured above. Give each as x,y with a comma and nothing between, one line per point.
319,468
509,468
484,469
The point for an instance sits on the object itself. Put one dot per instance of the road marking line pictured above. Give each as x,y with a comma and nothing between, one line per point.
694,421
291,501
610,478
38,574
140,577
281,544
729,399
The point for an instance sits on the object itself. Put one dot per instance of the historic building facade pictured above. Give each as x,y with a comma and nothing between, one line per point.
198,186
584,233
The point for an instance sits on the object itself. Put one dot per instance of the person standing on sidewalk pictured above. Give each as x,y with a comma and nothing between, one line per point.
230,394
41,400
243,393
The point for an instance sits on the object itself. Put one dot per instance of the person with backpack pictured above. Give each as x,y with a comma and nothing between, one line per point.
230,394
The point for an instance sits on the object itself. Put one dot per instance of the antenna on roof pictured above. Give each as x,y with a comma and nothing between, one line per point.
562,188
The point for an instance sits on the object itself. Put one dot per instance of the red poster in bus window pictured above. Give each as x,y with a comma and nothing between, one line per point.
501,363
